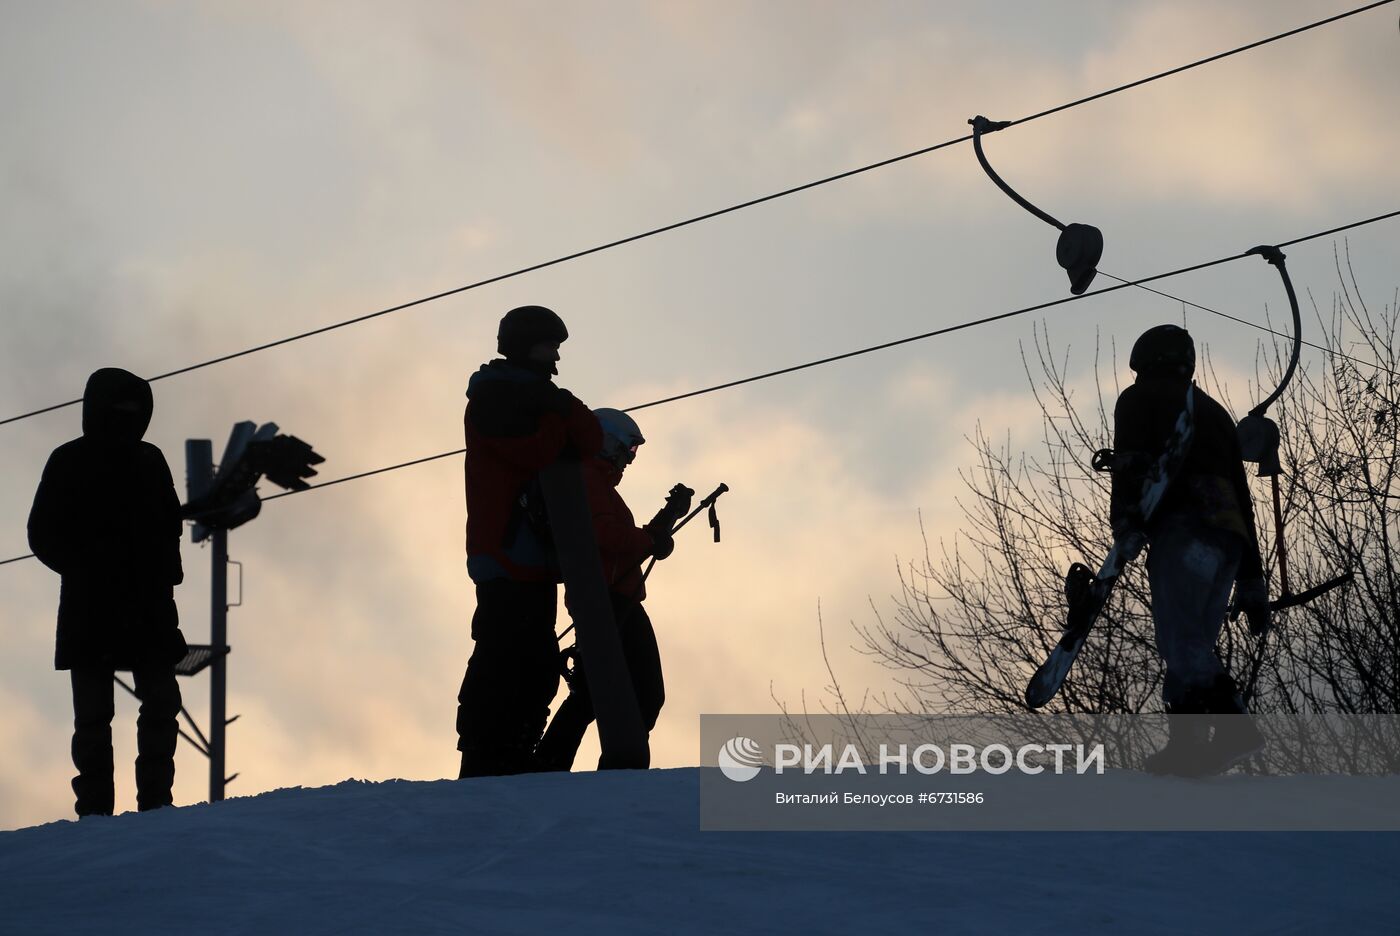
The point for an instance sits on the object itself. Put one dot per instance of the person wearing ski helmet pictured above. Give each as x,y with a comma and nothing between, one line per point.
1201,539
106,518
623,547
517,422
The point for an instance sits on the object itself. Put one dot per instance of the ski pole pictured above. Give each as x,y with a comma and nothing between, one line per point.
707,502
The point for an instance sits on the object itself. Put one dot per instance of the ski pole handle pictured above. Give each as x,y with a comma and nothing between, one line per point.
705,503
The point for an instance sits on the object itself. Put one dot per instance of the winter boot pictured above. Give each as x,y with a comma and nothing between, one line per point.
1187,751
1236,736
500,754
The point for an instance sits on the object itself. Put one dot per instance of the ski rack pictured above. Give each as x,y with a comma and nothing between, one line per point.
1080,246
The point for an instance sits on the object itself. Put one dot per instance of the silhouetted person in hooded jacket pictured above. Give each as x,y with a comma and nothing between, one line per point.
106,517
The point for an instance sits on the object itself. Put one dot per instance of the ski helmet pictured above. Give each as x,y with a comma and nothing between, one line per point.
1166,349
526,326
621,436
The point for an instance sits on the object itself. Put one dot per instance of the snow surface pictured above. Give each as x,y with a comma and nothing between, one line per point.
622,852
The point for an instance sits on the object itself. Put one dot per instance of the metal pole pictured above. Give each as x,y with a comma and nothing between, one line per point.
218,644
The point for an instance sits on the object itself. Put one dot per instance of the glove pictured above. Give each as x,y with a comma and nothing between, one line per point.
677,506
1252,597
1130,544
678,501
661,540
1129,536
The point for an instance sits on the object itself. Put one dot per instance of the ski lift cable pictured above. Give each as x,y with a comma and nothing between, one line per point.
862,351
706,216
995,318
1375,365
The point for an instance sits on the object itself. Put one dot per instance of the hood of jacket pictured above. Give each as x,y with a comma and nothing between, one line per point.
117,406
500,371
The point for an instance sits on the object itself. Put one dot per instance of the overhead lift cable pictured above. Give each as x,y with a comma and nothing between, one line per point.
962,326
724,211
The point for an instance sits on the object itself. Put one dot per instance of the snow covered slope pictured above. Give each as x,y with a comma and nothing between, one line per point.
621,852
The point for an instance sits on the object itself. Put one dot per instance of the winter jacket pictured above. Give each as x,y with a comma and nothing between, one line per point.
107,519
1210,489
622,545
516,423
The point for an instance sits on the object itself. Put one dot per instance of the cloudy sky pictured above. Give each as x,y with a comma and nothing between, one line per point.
184,180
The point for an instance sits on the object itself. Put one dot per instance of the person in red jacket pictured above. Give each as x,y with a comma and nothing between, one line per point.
517,422
623,547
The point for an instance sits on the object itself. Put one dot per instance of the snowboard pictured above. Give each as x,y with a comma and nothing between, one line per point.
1086,591
620,730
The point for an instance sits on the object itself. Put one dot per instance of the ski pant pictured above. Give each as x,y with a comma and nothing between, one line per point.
565,734
156,734
511,678
1190,569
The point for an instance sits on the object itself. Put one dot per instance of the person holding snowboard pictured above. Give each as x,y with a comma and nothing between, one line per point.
517,422
1201,540
106,518
622,546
